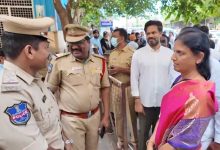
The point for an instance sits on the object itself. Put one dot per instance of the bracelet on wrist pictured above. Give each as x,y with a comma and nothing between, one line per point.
69,141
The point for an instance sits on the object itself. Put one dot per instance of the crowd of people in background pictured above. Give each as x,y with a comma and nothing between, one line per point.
102,44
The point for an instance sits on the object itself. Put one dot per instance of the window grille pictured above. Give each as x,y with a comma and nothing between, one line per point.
17,8
16,2
4,10
22,12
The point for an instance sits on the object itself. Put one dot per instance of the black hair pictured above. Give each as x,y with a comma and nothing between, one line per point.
13,43
204,29
196,26
154,23
105,33
137,33
87,38
122,32
212,44
95,31
164,35
198,42
2,53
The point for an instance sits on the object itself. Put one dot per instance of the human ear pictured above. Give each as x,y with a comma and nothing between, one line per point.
200,57
28,51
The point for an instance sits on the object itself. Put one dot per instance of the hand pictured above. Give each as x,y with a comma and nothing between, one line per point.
138,106
68,147
150,145
114,70
214,146
105,121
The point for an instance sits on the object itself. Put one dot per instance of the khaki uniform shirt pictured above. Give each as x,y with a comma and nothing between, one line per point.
121,58
29,115
79,82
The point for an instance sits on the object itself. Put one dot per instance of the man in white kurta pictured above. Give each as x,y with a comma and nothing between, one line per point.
151,76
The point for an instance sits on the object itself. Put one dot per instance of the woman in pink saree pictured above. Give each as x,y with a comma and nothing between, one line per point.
190,104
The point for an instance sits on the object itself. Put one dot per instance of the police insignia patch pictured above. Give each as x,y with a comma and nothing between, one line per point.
49,68
18,114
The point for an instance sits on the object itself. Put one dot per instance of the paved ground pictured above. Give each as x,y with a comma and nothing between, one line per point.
107,143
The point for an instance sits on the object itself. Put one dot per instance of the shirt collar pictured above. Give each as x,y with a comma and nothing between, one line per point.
153,50
20,72
74,59
123,49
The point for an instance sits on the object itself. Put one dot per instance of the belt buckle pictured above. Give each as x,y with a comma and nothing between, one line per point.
89,114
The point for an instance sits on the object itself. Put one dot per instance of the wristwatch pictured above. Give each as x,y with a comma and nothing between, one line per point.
70,141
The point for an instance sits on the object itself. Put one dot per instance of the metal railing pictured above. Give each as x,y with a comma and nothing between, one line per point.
122,87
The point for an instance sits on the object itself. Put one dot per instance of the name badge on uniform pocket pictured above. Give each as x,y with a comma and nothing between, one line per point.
76,70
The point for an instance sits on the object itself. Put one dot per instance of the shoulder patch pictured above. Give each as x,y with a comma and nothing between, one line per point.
10,81
18,114
60,55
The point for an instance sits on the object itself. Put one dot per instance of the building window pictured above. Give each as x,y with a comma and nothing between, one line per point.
17,8
16,2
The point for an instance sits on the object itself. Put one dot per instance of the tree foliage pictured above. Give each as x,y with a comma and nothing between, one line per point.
93,10
190,11
96,9
90,11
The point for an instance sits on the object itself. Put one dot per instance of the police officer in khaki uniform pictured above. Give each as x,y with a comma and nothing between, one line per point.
119,67
81,79
29,115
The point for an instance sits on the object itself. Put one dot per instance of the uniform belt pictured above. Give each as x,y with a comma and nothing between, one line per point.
81,115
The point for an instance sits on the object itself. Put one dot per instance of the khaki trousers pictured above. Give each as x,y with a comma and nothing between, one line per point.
83,132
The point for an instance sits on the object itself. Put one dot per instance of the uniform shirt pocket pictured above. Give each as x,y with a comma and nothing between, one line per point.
73,77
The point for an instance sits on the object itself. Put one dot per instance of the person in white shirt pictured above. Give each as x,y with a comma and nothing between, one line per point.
151,76
212,132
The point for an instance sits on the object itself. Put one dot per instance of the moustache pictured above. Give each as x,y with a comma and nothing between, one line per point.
151,38
76,49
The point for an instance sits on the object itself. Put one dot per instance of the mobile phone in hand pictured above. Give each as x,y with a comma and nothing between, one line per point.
101,131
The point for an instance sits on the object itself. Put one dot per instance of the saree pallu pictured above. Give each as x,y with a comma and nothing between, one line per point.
185,113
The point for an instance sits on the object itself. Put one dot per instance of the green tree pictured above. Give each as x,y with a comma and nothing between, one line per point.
90,11
190,11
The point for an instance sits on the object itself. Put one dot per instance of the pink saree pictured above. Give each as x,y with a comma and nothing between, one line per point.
185,113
